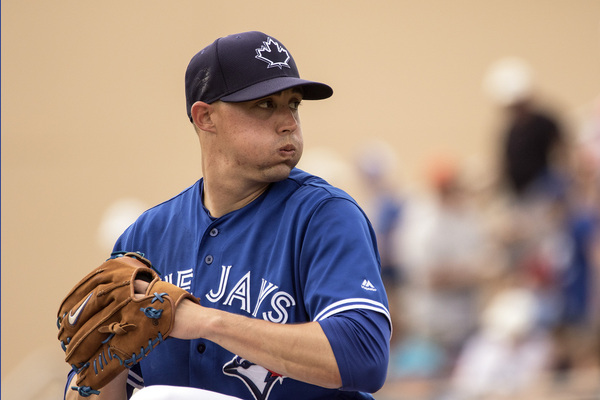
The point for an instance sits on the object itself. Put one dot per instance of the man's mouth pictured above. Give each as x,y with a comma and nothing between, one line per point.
288,149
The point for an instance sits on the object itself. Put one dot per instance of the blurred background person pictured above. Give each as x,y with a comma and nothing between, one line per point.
578,332
508,354
446,256
532,142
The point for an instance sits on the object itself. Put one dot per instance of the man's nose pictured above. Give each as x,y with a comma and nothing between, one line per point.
287,119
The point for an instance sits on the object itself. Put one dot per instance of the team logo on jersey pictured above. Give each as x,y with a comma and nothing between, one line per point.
259,380
367,285
274,54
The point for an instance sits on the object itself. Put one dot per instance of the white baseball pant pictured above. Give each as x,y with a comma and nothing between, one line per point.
163,392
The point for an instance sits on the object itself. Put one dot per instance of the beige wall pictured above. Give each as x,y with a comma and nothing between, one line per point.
93,111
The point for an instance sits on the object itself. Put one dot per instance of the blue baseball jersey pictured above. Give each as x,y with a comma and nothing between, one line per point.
303,251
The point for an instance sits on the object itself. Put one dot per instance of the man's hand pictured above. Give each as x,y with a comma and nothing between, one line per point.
186,311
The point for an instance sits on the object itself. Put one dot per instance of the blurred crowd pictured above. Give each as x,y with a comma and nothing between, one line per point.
494,280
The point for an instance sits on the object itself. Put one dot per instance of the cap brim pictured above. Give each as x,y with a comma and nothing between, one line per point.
311,90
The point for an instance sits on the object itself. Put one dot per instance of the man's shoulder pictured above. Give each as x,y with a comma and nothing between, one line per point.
175,204
308,184
173,218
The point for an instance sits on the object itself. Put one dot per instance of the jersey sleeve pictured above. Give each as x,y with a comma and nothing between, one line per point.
360,342
134,380
344,292
340,265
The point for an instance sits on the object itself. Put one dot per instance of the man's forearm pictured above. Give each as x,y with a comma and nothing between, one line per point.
299,351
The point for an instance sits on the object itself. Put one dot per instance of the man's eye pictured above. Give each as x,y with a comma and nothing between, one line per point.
294,105
266,104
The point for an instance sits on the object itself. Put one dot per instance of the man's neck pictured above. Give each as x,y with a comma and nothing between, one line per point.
219,199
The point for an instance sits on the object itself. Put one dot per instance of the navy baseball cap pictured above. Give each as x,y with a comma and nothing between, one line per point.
245,66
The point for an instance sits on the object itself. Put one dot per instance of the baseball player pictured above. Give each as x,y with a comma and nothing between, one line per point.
285,267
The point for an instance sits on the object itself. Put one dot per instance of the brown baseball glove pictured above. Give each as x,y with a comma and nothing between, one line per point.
105,328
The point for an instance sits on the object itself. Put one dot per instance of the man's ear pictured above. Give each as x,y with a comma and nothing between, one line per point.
201,115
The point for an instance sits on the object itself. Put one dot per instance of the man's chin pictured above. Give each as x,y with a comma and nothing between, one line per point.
279,172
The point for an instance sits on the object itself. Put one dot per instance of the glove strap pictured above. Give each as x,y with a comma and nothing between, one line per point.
85,391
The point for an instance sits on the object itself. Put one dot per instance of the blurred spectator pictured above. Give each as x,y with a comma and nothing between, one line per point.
531,140
508,354
583,282
583,225
445,253
578,332
533,143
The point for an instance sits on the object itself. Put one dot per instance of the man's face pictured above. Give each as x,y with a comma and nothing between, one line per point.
259,140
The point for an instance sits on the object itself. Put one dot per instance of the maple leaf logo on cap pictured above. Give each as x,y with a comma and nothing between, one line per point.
274,57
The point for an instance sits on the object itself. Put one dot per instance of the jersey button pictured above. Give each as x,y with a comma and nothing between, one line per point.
208,259
214,232
201,348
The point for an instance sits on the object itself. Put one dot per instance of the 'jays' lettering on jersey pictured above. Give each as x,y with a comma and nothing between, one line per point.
303,251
